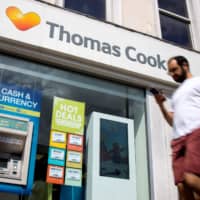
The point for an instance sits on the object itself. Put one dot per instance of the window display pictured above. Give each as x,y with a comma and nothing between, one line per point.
98,95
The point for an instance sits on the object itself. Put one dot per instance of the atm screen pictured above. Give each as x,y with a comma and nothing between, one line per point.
14,124
114,161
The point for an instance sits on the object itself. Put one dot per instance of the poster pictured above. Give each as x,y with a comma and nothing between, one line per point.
55,174
58,139
19,102
73,177
67,130
75,142
68,116
56,156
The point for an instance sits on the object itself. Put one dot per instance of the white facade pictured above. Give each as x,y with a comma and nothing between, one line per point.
133,58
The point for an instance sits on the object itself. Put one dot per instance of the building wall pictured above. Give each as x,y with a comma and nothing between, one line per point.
134,14
160,134
143,16
193,8
140,16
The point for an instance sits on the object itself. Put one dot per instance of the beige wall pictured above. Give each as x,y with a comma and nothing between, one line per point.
140,15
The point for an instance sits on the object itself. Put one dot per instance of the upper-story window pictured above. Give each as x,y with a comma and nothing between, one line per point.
96,8
175,22
108,10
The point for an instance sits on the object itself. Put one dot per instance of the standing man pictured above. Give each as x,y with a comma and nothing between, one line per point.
185,119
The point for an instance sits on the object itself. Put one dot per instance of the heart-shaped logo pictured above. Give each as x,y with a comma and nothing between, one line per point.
22,21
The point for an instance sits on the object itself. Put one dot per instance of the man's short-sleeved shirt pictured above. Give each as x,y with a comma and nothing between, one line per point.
186,107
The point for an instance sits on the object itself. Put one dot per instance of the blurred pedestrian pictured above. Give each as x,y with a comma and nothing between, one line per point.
184,117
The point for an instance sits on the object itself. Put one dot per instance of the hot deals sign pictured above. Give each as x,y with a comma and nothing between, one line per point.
68,116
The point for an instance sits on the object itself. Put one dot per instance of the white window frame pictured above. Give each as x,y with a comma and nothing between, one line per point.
188,20
193,12
114,11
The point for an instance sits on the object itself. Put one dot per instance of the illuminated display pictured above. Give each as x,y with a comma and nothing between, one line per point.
114,161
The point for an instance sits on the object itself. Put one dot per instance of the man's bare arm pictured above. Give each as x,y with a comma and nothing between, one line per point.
167,115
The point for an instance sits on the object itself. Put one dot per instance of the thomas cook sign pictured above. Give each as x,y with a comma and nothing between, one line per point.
58,32
53,29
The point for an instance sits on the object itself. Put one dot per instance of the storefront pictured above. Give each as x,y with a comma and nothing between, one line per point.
98,95
110,73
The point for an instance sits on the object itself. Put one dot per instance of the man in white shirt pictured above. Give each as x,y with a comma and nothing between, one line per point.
185,120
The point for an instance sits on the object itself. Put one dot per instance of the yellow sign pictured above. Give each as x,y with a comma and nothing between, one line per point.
68,116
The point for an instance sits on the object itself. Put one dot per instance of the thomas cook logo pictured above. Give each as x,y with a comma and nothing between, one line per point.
22,21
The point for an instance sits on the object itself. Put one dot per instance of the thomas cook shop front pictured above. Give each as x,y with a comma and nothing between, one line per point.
77,120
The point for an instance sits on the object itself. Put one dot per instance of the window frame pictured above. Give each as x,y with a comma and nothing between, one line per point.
131,92
186,20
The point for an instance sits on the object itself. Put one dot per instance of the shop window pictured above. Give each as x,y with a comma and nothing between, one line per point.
108,10
94,8
175,22
98,95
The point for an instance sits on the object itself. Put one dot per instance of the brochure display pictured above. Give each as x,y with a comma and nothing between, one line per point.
55,174
56,156
19,121
73,177
74,159
75,142
58,139
111,158
66,143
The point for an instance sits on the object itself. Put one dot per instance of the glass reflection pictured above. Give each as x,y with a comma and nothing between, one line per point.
175,6
94,8
175,31
99,95
114,149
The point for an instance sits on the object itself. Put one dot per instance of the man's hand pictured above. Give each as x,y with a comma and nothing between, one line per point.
160,98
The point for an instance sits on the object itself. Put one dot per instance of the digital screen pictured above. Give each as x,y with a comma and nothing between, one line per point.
15,124
114,161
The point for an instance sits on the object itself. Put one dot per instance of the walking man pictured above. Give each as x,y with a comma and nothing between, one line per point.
185,120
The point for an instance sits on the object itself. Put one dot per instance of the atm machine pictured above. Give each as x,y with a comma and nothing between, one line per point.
110,158
15,147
